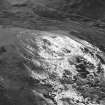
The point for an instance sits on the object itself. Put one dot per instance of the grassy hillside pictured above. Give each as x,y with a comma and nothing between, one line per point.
58,16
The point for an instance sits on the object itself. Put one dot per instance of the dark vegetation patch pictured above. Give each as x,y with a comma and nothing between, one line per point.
67,77
102,60
2,50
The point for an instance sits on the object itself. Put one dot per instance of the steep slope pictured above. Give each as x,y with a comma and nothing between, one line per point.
89,8
73,69
21,78
29,12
